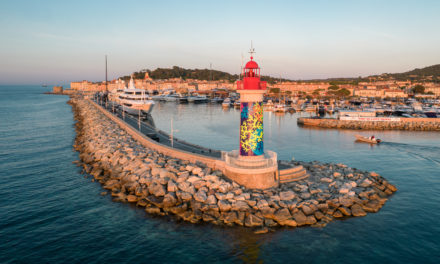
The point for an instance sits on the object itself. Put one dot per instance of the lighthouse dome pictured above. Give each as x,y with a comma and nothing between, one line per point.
251,65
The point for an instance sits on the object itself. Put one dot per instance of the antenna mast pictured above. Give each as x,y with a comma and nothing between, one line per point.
252,51
241,69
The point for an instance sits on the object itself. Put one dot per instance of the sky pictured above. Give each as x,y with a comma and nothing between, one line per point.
56,42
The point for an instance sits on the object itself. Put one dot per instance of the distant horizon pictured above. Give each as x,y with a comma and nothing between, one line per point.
57,42
67,83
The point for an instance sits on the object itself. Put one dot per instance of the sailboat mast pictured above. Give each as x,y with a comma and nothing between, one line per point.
106,89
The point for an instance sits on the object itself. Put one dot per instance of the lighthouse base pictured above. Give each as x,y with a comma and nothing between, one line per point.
258,172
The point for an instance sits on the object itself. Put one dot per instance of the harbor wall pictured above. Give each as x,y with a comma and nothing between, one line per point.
151,144
414,124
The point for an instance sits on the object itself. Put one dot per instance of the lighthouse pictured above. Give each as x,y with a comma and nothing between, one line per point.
251,90
251,166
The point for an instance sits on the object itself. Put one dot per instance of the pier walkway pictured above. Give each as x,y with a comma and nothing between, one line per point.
147,128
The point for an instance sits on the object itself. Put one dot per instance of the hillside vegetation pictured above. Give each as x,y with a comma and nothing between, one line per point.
430,73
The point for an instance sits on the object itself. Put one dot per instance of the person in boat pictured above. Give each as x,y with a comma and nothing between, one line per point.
372,137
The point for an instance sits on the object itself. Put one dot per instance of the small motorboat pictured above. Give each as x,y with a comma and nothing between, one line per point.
368,139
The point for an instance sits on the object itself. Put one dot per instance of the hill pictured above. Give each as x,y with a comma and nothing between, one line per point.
430,73
427,73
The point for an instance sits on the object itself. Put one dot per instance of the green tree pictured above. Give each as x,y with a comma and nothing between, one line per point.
333,87
419,89
343,92
316,91
274,90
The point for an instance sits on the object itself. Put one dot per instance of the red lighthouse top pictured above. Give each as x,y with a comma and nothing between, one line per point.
251,77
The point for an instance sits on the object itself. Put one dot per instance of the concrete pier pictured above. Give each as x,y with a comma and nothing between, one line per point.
414,124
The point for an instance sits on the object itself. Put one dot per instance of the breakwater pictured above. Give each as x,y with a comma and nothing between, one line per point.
414,124
195,191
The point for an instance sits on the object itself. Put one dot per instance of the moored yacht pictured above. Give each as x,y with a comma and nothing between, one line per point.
226,103
280,108
135,101
197,99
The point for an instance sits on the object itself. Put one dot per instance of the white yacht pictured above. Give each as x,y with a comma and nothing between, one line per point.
226,103
268,106
197,99
135,101
280,108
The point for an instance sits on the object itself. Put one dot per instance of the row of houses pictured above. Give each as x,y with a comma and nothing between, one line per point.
155,85
365,89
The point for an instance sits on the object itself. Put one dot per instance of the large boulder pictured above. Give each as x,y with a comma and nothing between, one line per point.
224,205
132,198
253,221
300,218
169,200
211,199
171,186
268,212
356,210
187,187
240,206
262,204
200,196
157,189
282,215
345,201
230,218
288,195
308,210
372,206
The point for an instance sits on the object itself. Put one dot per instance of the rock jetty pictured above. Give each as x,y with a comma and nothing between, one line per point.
414,124
194,192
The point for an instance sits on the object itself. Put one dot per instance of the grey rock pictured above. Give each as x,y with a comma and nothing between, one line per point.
187,187
211,199
282,215
308,210
300,218
288,195
200,196
169,200
240,206
224,205
185,196
356,210
157,190
253,221
262,204
305,195
171,186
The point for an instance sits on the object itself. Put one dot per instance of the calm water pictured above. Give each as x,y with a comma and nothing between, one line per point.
50,213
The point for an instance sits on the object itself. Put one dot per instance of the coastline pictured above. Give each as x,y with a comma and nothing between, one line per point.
195,192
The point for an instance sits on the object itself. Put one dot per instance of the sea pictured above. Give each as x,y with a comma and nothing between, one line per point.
52,213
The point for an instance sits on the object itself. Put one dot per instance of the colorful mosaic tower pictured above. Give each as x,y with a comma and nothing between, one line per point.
251,91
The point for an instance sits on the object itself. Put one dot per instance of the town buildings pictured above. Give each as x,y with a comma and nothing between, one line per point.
373,88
